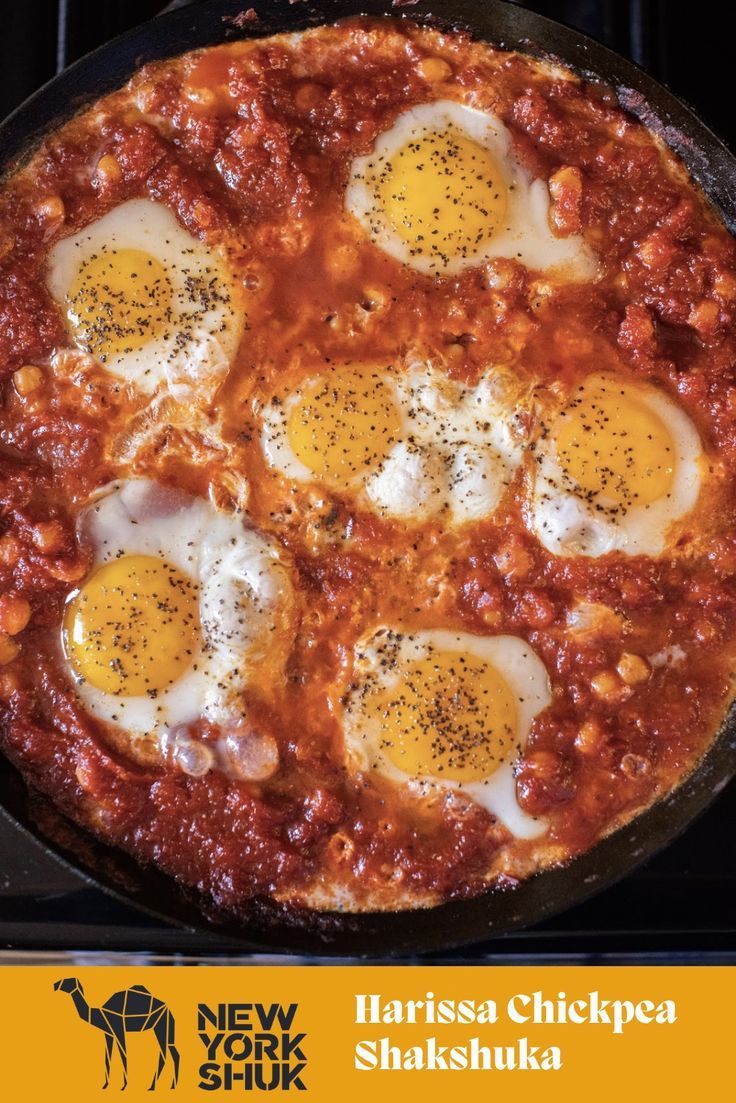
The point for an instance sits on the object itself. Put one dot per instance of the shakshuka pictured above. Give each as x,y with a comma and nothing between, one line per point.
368,455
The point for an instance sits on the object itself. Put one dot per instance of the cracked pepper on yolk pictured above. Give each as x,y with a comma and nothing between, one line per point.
443,194
132,629
451,717
120,300
343,425
612,445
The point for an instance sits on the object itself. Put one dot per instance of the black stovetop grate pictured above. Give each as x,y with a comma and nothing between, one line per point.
680,904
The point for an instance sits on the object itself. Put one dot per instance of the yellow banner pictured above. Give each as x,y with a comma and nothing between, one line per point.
364,1033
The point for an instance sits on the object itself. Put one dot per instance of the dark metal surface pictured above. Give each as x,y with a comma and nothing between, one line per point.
676,907
42,37
541,897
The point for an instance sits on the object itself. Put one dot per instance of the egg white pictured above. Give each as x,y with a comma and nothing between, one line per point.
569,523
525,236
457,453
512,657
466,441
192,356
245,599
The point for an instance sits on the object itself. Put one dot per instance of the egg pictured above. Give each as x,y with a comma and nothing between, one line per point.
443,190
334,426
437,711
155,306
614,470
184,608
406,442
460,449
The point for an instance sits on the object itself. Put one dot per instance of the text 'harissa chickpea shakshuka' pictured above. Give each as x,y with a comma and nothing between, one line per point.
368,453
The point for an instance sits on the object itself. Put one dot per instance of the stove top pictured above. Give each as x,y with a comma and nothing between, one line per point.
679,907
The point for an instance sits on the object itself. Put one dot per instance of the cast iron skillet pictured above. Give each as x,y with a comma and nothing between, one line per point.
453,924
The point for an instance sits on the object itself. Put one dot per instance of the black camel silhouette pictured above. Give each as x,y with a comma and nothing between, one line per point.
132,1009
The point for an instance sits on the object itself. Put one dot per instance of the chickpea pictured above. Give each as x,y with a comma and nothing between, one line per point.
108,171
68,570
27,379
434,69
15,612
9,684
724,286
632,669
567,178
373,298
589,737
651,253
145,96
513,561
9,649
566,189
608,686
539,293
83,776
51,209
543,765
9,550
492,618
203,214
500,274
704,316
49,536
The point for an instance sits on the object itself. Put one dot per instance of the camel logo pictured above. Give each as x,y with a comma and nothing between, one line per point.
130,1011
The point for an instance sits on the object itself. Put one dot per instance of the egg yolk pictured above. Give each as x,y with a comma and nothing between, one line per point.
120,300
443,194
343,424
132,629
615,448
452,717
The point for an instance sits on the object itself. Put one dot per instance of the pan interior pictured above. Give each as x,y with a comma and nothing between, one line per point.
456,923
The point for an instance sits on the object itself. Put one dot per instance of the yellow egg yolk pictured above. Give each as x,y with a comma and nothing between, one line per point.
343,424
452,717
615,448
443,194
132,629
120,300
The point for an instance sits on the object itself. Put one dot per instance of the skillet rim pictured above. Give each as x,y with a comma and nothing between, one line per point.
457,923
